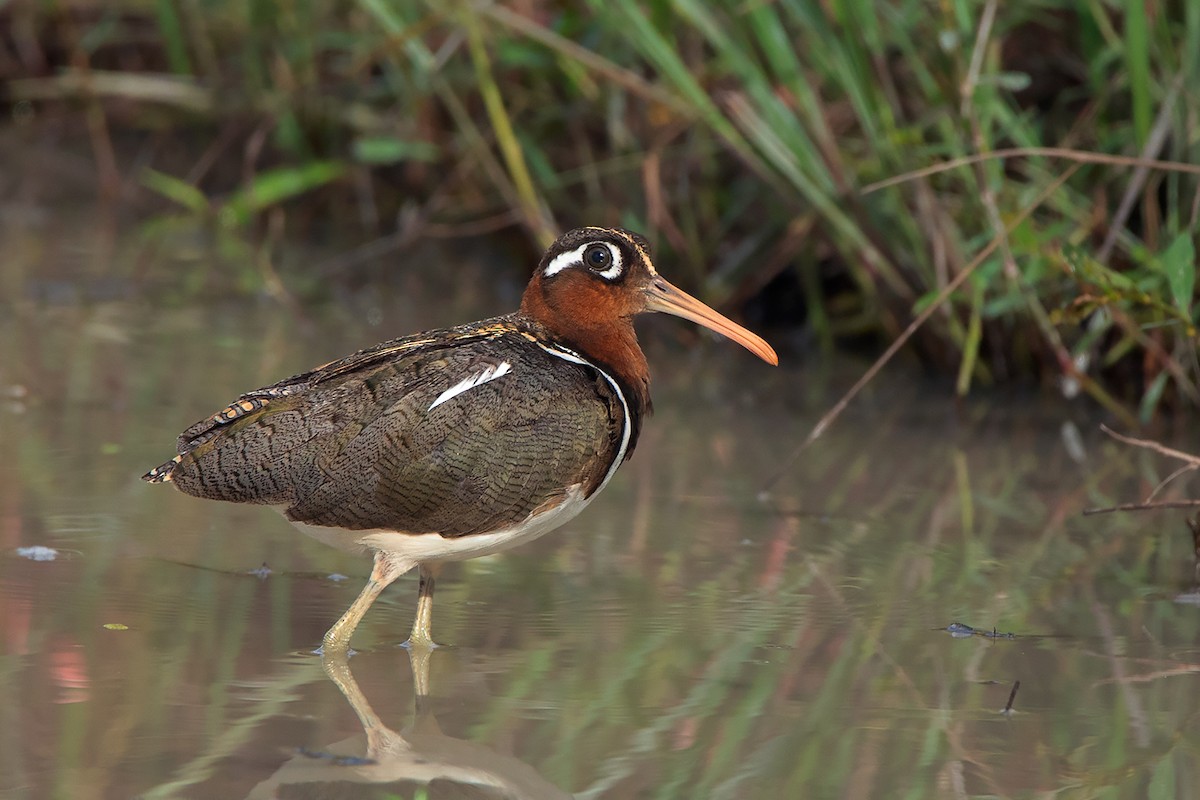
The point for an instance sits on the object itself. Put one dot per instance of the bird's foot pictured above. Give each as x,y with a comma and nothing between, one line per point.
326,650
420,643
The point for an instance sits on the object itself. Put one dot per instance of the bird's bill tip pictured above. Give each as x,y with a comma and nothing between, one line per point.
664,297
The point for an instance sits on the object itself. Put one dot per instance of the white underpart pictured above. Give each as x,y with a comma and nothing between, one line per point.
478,379
415,549
574,258
430,547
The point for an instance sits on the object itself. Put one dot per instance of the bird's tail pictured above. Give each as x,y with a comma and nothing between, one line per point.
162,472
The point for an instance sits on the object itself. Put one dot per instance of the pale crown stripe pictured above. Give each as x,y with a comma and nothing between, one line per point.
478,379
574,257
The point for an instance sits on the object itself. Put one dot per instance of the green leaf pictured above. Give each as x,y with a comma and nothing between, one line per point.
1162,781
390,150
525,54
175,189
1009,81
924,301
1179,262
275,186
1152,397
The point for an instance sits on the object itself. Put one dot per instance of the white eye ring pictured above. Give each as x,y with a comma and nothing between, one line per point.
574,258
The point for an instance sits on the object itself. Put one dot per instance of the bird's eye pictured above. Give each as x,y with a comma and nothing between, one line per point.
597,257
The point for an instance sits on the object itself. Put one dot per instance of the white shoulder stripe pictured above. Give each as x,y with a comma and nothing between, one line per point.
478,379
627,425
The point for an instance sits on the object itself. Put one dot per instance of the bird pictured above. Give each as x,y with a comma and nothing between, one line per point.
459,442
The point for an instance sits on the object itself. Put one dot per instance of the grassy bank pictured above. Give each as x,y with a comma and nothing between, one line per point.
1023,174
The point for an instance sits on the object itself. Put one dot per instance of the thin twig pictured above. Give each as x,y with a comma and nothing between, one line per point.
981,38
1087,512
1154,145
833,413
1153,445
169,90
1066,153
1165,481
1190,462
1182,669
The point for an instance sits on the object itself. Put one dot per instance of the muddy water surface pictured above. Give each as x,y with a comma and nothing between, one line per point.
680,639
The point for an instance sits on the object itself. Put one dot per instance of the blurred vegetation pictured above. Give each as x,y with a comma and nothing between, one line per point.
749,139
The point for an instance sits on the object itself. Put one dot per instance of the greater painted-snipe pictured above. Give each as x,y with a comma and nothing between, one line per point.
460,442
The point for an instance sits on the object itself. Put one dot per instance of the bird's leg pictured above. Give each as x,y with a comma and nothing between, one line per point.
381,740
418,659
337,667
421,636
387,568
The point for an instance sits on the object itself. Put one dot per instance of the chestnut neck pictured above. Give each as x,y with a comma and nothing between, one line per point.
608,340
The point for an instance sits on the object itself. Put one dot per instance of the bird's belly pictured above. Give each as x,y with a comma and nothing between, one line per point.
420,548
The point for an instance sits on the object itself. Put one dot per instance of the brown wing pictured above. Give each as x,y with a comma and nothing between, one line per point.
368,448
364,360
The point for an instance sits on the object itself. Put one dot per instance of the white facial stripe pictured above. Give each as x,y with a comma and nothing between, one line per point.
564,260
478,379
574,257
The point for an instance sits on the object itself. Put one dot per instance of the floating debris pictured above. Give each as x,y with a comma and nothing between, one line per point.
1072,441
961,631
38,553
1008,707
336,760
337,577
14,397
115,626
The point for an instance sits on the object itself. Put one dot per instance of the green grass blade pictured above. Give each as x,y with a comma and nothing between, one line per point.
534,210
1179,262
1137,62
176,190
275,186
171,28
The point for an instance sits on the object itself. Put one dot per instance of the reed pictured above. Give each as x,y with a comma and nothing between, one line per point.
781,152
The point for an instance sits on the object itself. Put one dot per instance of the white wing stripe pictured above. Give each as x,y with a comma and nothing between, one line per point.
478,379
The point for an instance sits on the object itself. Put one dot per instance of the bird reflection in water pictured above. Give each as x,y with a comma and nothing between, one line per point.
417,754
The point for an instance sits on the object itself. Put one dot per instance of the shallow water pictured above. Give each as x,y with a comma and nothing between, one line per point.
680,639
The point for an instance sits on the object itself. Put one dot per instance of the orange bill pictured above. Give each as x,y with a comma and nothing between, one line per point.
662,296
